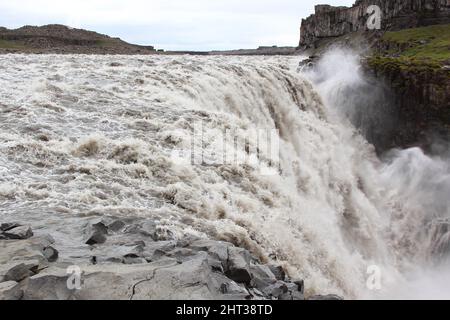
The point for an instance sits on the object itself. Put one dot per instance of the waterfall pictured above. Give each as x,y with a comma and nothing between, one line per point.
96,135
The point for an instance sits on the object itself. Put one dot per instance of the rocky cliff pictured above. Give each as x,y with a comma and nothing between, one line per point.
410,54
415,63
329,21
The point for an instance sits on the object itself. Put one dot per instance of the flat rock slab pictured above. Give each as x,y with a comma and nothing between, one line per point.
18,233
24,249
10,290
164,279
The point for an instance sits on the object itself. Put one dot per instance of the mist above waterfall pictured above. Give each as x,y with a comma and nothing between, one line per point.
353,95
416,185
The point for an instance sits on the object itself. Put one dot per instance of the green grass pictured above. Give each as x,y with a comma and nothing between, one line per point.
407,65
428,43
5,44
105,43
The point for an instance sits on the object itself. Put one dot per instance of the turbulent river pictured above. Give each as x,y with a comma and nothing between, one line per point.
99,135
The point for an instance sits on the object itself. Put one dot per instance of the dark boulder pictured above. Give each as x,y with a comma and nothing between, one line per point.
18,233
326,297
96,233
238,268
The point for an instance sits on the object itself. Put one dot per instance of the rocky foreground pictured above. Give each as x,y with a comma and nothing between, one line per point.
129,259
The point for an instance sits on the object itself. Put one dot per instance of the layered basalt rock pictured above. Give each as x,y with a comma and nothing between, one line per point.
135,260
330,22
422,100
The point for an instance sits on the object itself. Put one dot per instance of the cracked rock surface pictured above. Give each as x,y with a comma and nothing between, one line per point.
128,259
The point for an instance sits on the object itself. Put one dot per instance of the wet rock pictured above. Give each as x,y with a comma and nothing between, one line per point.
187,241
262,272
181,254
217,249
276,290
51,254
156,250
278,271
18,270
165,279
114,260
118,253
325,297
116,226
238,268
163,233
96,233
10,290
261,284
133,260
8,226
300,285
132,265
307,64
148,229
230,288
131,251
262,277
295,292
22,251
18,233
216,265
292,295
256,294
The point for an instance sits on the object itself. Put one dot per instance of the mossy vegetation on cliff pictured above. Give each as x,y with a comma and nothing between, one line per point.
414,56
415,64
430,43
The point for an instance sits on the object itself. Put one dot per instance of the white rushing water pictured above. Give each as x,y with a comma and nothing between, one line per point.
95,135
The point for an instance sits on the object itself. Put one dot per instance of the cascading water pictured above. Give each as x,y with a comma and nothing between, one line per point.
414,186
95,135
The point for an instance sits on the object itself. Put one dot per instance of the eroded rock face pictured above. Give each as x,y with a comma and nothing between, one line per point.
324,298
330,22
421,100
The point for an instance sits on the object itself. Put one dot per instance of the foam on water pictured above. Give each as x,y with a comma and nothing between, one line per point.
80,136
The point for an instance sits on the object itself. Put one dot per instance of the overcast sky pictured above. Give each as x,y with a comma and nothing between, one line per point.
173,24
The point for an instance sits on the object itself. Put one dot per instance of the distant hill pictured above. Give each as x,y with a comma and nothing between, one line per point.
261,51
62,39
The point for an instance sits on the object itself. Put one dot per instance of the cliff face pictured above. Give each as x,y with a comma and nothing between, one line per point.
422,101
331,21
410,54
415,63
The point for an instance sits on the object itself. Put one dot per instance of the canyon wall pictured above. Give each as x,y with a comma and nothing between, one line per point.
329,21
